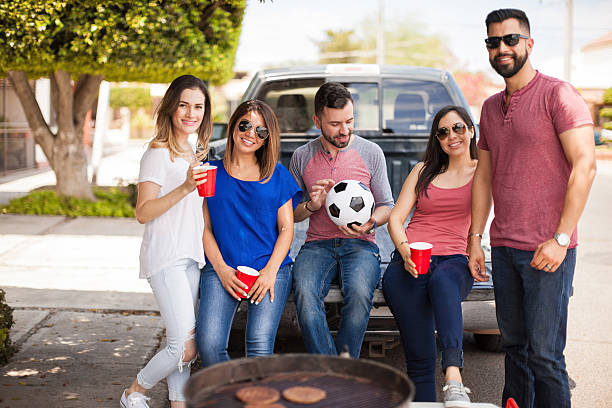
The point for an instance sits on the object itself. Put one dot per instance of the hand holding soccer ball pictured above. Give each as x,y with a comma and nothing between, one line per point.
349,203
318,194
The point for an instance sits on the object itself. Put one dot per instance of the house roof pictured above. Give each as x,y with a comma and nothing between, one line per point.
602,42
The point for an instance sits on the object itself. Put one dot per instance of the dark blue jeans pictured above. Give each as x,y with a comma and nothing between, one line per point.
532,315
422,305
356,264
216,314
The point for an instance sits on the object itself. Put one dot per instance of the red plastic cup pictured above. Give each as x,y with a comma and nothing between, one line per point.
248,276
420,253
207,189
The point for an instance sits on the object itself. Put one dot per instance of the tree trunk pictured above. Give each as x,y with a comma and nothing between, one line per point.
64,150
70,166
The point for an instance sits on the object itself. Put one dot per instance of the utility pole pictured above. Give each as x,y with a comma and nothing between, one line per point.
567,61
380,35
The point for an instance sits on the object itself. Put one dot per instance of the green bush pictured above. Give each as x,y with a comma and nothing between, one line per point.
607,98
131,97
6,322
111,202
605,113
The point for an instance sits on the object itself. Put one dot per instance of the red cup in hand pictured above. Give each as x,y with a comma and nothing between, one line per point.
420,253
248,276
206,189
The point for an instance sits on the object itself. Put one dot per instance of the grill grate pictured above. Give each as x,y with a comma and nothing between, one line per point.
342,391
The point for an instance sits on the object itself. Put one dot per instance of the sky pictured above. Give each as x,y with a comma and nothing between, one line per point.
279,32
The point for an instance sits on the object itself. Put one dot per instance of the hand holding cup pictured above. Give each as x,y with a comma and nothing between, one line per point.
205,176
420,255
247,276
190,179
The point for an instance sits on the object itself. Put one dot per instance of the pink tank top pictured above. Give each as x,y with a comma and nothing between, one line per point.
442,219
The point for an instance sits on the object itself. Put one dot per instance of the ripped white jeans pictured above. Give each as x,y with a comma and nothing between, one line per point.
176,289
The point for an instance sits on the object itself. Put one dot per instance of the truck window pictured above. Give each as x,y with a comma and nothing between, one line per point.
293,103
365,98
409,106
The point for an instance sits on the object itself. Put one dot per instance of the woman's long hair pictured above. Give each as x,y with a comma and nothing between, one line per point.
164,136
268,154
436,160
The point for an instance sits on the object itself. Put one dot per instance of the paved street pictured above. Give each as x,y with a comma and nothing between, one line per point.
85,323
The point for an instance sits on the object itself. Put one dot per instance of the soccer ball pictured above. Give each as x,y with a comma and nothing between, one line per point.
349,202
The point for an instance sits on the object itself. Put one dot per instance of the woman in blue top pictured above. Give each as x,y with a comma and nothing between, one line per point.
248,222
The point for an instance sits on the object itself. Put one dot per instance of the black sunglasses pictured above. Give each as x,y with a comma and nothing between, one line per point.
261,131
443,132
509,39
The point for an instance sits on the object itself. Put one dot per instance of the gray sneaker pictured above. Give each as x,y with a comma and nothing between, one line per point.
134,400
456,395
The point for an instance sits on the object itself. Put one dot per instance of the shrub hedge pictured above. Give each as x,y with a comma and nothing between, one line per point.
6,322
605,113
111,202
607,98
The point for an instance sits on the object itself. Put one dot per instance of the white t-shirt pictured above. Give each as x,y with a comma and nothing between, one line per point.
177,233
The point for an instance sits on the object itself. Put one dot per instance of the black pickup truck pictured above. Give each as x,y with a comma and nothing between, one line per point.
393,107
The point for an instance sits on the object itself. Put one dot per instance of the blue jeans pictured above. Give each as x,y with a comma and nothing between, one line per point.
421,305
216,314
532,316
356,264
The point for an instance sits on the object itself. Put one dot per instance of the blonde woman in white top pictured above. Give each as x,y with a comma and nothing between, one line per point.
172,253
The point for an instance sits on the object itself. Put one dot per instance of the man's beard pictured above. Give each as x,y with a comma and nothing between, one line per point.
335,142
508,71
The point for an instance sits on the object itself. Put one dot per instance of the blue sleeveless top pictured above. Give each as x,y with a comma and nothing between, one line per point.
244,215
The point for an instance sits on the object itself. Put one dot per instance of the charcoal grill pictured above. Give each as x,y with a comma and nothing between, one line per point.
348,382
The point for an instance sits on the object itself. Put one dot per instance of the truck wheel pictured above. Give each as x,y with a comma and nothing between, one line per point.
489,342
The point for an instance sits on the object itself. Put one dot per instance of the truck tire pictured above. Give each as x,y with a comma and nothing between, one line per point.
489,342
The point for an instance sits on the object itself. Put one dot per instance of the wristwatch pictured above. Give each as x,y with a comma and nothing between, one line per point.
562,238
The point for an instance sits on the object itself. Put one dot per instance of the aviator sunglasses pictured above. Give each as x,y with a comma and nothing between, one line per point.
261,131
443,132
509,39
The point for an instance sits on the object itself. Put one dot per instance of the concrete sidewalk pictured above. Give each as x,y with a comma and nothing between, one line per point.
85,324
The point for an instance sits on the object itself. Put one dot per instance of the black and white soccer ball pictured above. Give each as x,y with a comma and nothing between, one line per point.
349,202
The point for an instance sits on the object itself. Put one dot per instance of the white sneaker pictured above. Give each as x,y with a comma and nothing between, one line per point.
456,395
134,400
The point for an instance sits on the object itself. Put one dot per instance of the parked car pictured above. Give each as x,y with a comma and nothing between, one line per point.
393,107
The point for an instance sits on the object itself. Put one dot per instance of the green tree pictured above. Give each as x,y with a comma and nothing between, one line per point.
340,46
79,43
405,44
607,98
132,97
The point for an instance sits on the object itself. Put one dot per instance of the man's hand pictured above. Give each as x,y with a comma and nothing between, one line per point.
318,194
548,256
355,231
476,261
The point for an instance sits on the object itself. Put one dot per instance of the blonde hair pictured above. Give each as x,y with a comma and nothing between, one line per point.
164,136
268,154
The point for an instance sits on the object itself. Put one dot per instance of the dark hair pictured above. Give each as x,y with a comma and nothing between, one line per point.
331,95
498,16
169,104
435,159
268,154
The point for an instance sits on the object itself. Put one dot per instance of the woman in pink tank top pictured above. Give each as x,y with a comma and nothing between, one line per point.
439,190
